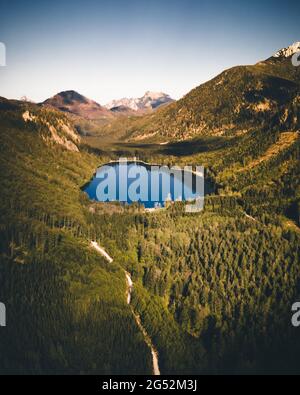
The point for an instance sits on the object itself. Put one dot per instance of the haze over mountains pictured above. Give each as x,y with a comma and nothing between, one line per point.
74,103
240,99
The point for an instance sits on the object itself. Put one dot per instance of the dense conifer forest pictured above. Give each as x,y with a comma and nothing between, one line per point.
214,290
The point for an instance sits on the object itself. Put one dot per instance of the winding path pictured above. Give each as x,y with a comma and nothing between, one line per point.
129,282
96,246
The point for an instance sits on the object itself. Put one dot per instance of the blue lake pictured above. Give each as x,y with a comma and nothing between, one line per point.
150,185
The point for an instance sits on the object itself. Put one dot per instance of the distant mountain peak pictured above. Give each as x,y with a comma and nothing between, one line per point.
150,100
73,102
72,96
288,51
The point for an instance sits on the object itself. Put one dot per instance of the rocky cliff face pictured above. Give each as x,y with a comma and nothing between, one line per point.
54,128
288,51
150,100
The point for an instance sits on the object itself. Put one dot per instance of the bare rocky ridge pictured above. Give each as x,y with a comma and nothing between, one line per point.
54,129
288,51
75,103
150,101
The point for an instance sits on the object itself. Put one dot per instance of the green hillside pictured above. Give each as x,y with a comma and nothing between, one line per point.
238,100
213,290
66,307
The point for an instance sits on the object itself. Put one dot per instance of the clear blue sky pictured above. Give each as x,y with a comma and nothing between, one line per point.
107,49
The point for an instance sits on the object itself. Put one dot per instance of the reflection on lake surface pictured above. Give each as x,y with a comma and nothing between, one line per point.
151,185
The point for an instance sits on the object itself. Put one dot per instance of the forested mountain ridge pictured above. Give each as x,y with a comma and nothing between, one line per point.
214,290
66,306
238,100
51,125
51,282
